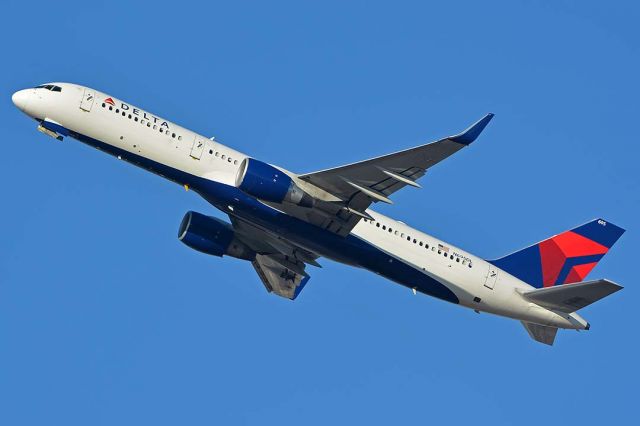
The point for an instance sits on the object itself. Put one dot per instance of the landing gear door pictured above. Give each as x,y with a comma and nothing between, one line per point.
491,278
197,148
87,100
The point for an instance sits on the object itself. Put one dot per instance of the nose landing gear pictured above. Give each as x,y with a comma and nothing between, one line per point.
48,132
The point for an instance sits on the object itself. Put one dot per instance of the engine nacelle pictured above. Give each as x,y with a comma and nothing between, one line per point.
212,236
265,182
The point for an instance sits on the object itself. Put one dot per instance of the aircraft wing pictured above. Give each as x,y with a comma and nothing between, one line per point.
360,184
279,263
279,276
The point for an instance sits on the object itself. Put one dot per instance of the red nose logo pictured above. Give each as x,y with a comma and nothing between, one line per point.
109,101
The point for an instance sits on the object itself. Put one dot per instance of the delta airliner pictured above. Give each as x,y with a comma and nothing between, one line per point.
282,222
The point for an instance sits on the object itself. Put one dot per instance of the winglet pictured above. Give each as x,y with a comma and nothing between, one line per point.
472,133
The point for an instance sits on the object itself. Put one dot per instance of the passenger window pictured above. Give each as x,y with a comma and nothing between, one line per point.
420,243
155,127
409,239
179,138
134,118
117,111
210,151
173,135
224,156
378,224
458,259
110,108
229,159
236,162
103,105
384,227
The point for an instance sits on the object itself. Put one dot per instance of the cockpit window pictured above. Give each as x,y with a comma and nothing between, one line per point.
50,87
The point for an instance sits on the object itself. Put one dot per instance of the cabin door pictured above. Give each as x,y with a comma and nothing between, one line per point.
492,277
197,148
87,99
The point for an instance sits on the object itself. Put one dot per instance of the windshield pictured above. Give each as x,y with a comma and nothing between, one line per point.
50,87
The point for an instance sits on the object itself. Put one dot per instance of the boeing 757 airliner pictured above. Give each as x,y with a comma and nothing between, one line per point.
282,221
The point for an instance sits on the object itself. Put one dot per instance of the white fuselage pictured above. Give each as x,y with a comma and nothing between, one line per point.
82,111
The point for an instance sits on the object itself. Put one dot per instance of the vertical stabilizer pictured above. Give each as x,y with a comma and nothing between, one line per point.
564,258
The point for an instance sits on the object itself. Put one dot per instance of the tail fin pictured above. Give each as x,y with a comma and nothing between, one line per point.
564,258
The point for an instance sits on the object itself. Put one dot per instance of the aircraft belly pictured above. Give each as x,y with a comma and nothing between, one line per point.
349,250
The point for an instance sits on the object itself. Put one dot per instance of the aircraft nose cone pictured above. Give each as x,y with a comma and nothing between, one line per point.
20,99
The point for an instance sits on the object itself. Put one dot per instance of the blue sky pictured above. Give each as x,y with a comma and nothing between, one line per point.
105,318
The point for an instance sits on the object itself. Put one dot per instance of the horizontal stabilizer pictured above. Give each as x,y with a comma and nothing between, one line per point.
541,333
571,297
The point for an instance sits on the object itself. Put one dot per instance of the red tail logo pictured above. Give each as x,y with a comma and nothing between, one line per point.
109,101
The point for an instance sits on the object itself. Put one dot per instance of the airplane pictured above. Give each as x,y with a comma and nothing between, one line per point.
283,222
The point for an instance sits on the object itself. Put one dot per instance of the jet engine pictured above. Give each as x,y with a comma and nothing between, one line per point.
265,182
212,236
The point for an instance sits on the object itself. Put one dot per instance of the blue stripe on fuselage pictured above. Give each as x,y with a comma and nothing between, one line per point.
350,249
